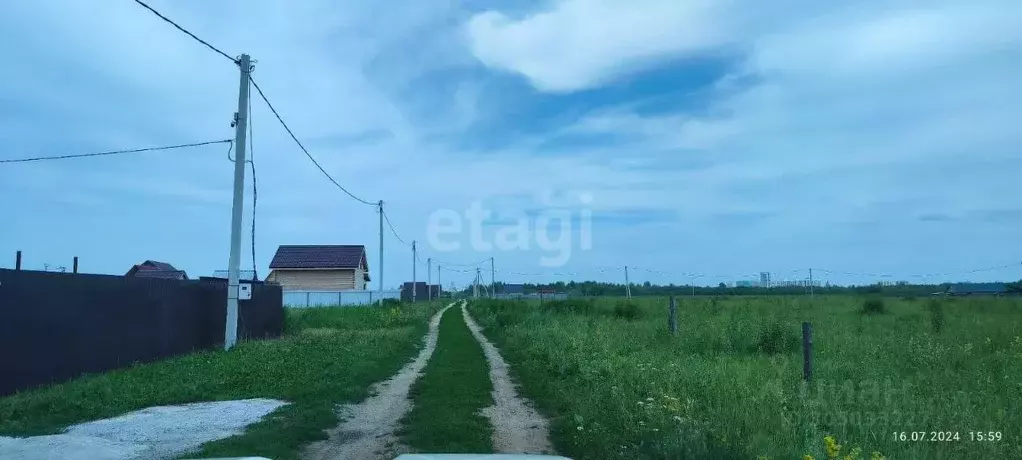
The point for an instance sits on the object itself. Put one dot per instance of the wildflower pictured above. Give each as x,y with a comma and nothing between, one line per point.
854,454
833,448
639,403
656,430
641,423
807,457
579,428
877,456
677,419
649,399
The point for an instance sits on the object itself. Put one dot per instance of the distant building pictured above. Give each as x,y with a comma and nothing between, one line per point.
746,283
513,289
764,279
242,274
156,269
320,268
960,289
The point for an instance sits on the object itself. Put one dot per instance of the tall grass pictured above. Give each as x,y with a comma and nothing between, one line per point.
729,385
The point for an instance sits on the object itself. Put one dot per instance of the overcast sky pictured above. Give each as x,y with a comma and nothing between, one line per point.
707,140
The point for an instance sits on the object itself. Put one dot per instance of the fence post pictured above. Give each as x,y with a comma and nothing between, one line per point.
307,300
75,269
370,297
17,261
672,317
807,351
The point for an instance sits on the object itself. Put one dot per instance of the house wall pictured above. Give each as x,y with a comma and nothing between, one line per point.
360,279
314,280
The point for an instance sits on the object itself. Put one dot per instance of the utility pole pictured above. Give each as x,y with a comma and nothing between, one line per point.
438,282
493,281
429,277
628,285
475,285
381,249
811,283
413,271
234,263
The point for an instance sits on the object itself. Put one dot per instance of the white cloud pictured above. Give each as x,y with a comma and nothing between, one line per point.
578,44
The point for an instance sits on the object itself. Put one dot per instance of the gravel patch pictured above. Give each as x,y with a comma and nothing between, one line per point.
162,432
517,427
367,430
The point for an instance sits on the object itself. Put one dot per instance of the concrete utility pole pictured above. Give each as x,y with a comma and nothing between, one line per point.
429,277
381,249
628,285
493,281
475,285
234,263
414,258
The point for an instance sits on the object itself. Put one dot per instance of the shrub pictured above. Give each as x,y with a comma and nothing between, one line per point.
936,308
627,309
571,306
774,339
391,303
874,306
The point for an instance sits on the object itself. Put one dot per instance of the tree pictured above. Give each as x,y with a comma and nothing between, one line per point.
722,286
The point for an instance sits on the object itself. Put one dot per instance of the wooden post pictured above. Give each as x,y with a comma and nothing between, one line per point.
75,269
17,261
807,351
672,317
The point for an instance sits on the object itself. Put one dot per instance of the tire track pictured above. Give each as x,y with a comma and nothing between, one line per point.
367,430
517,427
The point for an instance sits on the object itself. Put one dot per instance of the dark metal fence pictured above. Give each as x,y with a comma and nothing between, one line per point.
57,326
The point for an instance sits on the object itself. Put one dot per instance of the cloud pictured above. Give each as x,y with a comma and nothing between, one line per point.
579,44
832,128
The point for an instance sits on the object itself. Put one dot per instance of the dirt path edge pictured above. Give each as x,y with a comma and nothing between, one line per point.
368,429
517,427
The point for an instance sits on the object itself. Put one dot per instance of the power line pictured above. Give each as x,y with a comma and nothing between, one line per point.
286,128
387,218
182,29
255,189
118,152
467,265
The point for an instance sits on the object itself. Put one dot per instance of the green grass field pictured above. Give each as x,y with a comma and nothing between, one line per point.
616,384
327,356
447,399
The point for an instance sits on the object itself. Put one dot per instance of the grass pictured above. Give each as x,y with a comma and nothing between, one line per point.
448,397
327,356
729,385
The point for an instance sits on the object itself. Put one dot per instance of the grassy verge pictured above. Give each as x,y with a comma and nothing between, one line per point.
616,385
328,356
448,397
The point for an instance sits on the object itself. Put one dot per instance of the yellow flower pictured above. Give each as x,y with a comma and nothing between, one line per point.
807,457
833,448
854,454
877,456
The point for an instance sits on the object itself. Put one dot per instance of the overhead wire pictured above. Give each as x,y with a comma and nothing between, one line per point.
295,138
387,219
182,29
255,189
117,152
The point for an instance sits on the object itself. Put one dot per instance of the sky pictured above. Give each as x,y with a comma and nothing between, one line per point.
690,140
